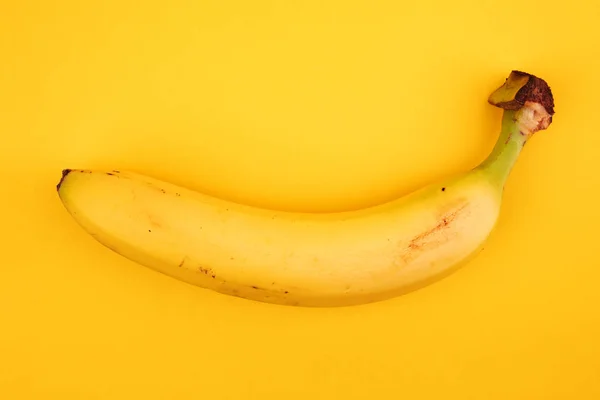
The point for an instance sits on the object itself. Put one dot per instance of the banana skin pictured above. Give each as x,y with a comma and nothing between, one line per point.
303,259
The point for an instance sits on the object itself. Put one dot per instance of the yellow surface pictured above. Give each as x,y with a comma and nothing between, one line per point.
306,106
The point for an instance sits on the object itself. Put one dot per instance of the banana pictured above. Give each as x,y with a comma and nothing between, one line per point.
303,259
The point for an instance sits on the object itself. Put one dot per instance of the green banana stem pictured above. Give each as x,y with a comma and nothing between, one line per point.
505,153
528,108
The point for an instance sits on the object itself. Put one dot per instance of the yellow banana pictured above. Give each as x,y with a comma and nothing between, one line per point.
303,259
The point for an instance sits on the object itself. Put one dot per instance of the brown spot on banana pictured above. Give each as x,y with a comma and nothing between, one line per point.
435,236
206,270
270,291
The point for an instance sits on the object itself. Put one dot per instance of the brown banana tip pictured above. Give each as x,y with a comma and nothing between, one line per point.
520,88
65,172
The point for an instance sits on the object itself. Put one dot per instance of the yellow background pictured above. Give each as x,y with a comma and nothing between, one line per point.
303,106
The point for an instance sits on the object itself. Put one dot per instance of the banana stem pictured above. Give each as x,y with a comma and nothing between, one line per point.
506,151
528,108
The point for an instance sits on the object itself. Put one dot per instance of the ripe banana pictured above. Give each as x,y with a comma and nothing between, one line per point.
303,259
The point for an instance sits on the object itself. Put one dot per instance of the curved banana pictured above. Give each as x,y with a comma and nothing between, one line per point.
303,259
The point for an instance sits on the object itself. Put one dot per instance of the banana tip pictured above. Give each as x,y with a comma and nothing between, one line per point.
65,172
